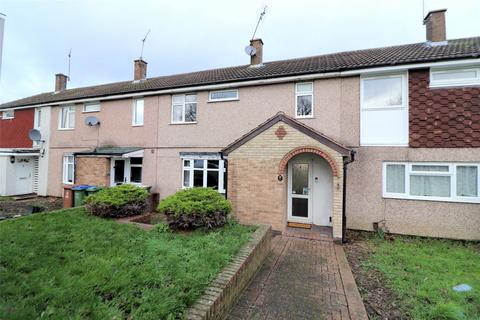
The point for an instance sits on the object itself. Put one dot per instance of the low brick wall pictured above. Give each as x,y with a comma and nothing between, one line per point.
225,289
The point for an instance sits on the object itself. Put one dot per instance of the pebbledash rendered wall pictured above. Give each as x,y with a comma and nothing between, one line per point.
365,204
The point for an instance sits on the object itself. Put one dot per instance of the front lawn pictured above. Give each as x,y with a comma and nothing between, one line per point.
69,265
420,274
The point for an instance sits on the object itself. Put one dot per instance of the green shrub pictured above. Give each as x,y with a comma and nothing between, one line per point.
120,201
195,207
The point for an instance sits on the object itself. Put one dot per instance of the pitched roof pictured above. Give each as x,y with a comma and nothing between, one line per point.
320,137
350,60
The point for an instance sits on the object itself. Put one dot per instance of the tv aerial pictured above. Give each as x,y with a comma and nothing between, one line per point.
92,121
143,44
250,50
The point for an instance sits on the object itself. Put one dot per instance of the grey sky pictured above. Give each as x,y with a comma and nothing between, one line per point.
195,35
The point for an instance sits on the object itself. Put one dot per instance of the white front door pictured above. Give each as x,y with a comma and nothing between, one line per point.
23,175
299,191
118,172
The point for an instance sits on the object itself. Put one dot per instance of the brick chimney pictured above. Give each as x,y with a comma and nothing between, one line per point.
140,70
435,25
257,58
60,82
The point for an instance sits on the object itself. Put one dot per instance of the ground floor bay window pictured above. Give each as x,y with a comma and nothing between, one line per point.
457,182
206,172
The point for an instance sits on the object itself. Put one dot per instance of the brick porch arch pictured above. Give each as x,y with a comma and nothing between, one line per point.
283,163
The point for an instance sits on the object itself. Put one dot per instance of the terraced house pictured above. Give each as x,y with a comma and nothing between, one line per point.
387,136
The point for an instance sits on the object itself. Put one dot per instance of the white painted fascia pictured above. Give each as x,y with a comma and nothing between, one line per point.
248,83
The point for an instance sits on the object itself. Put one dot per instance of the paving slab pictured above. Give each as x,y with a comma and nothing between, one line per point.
301,279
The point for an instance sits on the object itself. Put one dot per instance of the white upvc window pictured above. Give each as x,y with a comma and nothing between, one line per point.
68,169
8,114
304,100
135,166
66,118
184,108
223,95
206,173
384,110
91,107
454,77
456,182
137,112
38,118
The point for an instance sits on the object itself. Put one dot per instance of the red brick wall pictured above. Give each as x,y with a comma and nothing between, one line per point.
14,132
442,118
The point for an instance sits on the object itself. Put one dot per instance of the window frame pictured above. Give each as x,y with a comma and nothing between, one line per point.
221,172
126,171
70,110
65,163
455,82
404,107
452,173
4,113
183,104
236,98
85,105
300,94
134,111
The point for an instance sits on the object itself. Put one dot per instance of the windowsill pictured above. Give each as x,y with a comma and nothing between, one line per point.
182,123
304,117
435,199
7,118
454,85
137,125
90,111
383,145
225,100
68,183
66,129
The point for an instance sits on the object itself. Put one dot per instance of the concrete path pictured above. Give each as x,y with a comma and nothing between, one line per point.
301,279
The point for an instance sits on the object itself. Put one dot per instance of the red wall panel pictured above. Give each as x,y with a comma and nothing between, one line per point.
14,132
442,117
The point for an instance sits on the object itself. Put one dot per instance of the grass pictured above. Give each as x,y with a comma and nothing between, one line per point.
69,265
423,271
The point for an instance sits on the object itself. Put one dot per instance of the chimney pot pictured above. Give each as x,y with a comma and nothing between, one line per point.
60,82
140,70
257,58
434,22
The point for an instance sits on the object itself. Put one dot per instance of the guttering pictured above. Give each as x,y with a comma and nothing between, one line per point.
248,83
344,196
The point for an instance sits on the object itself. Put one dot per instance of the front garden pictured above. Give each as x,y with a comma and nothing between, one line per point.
402,277
70,264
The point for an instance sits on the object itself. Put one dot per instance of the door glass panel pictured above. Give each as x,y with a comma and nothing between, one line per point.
300,179
119,171
300,207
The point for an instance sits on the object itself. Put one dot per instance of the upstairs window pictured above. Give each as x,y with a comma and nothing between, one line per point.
223,95
384,110
8,114
184,108
91,107
304,100
66,118
432,181
454,77
137,112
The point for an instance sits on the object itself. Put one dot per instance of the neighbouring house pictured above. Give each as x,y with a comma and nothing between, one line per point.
387,136
23,162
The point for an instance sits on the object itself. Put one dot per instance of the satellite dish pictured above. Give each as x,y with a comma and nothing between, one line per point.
250,50
92,121
35,135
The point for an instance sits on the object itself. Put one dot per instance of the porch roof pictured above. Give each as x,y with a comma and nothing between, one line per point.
108,151
320,137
